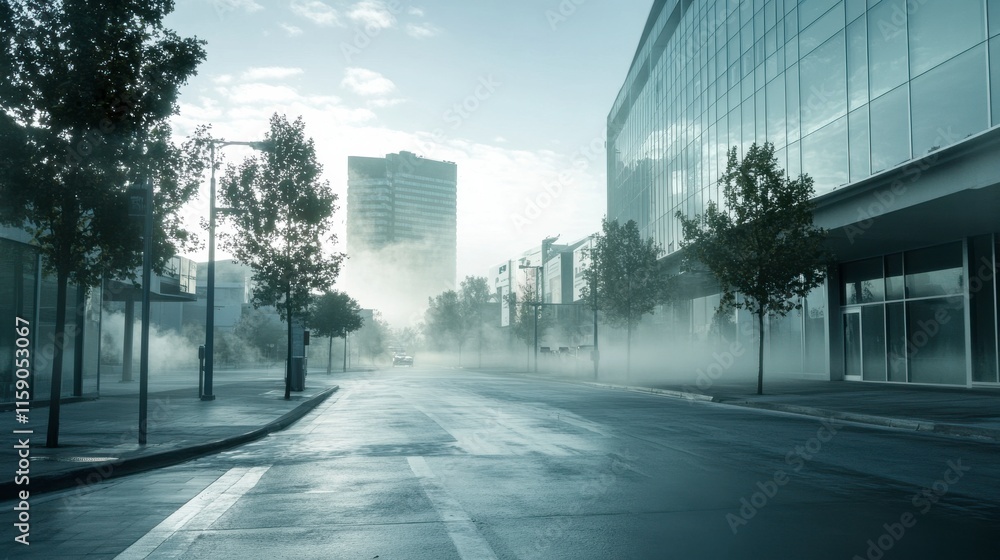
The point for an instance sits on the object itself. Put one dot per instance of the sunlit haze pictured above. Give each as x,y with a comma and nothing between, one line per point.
516,93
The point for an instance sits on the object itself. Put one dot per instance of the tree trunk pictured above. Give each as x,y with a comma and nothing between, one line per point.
628,352
329,357
52,436
760,353
345,352
288,356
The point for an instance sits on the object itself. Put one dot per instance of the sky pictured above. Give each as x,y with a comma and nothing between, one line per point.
515,92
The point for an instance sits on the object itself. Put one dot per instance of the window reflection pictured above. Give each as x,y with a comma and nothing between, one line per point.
890,130
823,76
940,30
887,46
949,102
825,158
934,271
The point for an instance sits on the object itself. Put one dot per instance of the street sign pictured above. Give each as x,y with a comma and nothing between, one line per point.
137,201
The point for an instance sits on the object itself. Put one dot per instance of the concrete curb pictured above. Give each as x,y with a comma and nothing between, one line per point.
663,392
101,472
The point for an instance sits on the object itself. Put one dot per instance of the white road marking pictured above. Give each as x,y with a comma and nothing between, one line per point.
198,514
469,543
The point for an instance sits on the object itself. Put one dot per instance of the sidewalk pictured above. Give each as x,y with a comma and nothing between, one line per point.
98,439
955,411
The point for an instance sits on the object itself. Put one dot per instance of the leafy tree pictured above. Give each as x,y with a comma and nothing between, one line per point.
763,245
262,331
335,314
443,319
283,213
88,89
630,281
474,297
372,337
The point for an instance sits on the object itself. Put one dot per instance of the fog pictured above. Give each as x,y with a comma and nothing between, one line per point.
168,349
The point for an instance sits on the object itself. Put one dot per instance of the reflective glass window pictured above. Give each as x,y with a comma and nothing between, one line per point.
887,46
811,10
894,276
792,102
792,23
822,29
857,64
823,78
890,130
775,93
934,271
860,147
873,343
982,309
895,332
814,314
794,168
941,30
825,157
993,8
995,77
855,8
935,340
950,102
861,282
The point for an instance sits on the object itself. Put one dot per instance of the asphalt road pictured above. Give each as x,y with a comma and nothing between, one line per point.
446,464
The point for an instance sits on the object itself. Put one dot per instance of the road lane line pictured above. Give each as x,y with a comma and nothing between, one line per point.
466,538
197,514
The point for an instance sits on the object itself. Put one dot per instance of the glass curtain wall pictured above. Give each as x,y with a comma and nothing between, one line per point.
843,89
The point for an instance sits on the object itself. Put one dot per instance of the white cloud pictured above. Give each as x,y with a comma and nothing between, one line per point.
223,79
384,102
414,11
372,14
316,11
269,73
249,6
291,30
366,82
421,30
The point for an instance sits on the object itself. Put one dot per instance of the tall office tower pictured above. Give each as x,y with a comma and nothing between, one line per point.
401,231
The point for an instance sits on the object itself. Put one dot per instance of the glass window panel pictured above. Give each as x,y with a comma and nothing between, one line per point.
949,102
860,146
982,309
852,344
775,92
770,14
811,10
993,6
794,160
825,156
814,314
934,271
792,23
824,85
995,77
873,343
890,126
822,29
758,26
894,276
895,331
887,46
857,64
940,30
861,282
855,8
792,102
746,37
935,336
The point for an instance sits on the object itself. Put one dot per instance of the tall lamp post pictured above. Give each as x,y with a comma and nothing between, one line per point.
210,302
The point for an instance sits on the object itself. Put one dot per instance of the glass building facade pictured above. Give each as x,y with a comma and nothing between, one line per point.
861,95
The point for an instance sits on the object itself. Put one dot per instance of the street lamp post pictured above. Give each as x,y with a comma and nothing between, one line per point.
210,299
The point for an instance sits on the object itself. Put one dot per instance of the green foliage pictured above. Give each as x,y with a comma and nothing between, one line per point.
474,302
373,338
283,213
763,245
443,320
335,314
262,331
624,267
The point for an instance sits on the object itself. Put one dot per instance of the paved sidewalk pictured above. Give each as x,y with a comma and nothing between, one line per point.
955,411
98,439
